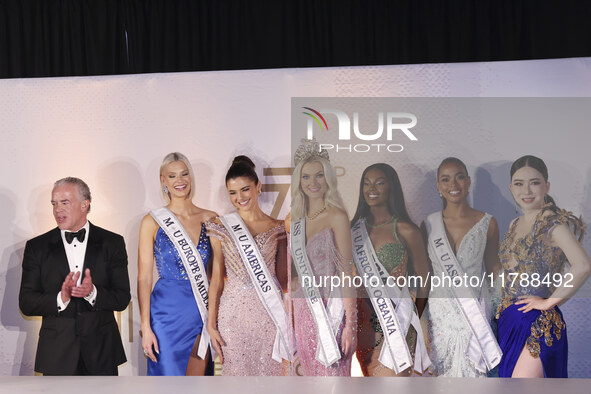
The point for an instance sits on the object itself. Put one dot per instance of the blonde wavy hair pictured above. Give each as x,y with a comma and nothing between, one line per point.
171,158
299,201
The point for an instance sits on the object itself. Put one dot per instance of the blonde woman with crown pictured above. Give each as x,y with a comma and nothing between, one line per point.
321,248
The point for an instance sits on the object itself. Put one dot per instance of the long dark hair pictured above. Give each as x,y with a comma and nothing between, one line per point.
396,204
242,166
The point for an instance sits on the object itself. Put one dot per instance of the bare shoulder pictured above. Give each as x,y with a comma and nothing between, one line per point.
493,225
337,217
148,228
407,230
410,234
477,215
148,223
560,230
562,236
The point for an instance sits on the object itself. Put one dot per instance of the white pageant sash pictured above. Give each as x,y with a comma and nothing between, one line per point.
193,265
327,323
405,311
483,349
264,283
395,354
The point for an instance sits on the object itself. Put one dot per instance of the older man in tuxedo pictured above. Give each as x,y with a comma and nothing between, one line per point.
75,276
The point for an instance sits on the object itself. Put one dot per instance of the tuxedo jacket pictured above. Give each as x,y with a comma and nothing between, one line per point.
81,330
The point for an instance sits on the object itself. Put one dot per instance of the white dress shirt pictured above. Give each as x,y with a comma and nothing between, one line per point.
75,253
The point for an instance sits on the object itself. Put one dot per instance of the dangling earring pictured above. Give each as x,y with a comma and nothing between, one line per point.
165,189
259,192
440,195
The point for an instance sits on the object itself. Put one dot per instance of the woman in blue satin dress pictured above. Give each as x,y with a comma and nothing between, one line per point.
171,322
531,329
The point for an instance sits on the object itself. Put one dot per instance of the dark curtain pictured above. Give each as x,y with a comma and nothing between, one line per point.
40,38
51,38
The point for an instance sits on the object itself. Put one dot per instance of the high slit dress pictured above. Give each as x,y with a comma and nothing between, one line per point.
534,262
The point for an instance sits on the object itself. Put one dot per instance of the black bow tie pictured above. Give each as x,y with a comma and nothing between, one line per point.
78,235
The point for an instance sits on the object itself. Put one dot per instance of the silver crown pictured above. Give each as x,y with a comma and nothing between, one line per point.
309,149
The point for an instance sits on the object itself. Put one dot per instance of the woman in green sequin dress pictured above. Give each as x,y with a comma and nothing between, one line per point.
399,247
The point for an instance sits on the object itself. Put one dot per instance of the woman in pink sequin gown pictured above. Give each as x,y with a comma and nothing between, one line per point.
328,248
245,333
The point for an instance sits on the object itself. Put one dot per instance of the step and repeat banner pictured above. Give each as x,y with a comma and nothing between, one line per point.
114,131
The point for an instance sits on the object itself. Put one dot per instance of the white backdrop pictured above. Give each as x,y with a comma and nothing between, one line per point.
113,132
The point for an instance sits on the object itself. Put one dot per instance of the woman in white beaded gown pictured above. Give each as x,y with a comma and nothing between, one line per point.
472,237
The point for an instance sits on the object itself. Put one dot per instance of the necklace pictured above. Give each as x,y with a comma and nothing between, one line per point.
381,224
315,214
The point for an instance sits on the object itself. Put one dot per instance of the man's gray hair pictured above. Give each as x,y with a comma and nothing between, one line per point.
83,189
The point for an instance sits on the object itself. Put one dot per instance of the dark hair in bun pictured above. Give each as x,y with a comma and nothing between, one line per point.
242,166
576,225
530,161
451,160
537,164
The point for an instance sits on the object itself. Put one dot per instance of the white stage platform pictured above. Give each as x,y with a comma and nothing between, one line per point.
285,385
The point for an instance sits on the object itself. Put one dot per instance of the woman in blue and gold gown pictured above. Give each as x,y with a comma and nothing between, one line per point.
531,329
171,322
400,248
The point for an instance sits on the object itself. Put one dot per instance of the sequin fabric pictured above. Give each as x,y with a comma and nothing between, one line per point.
534,254
394,258
325,260
174,314
165,252
243,322
449,333
393,255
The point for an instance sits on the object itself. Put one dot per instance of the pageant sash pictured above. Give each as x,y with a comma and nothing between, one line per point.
193,265
483,349
395,354
264,283
400,297
326,322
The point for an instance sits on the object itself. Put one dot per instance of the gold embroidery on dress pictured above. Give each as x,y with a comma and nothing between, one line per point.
547,323
534,254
